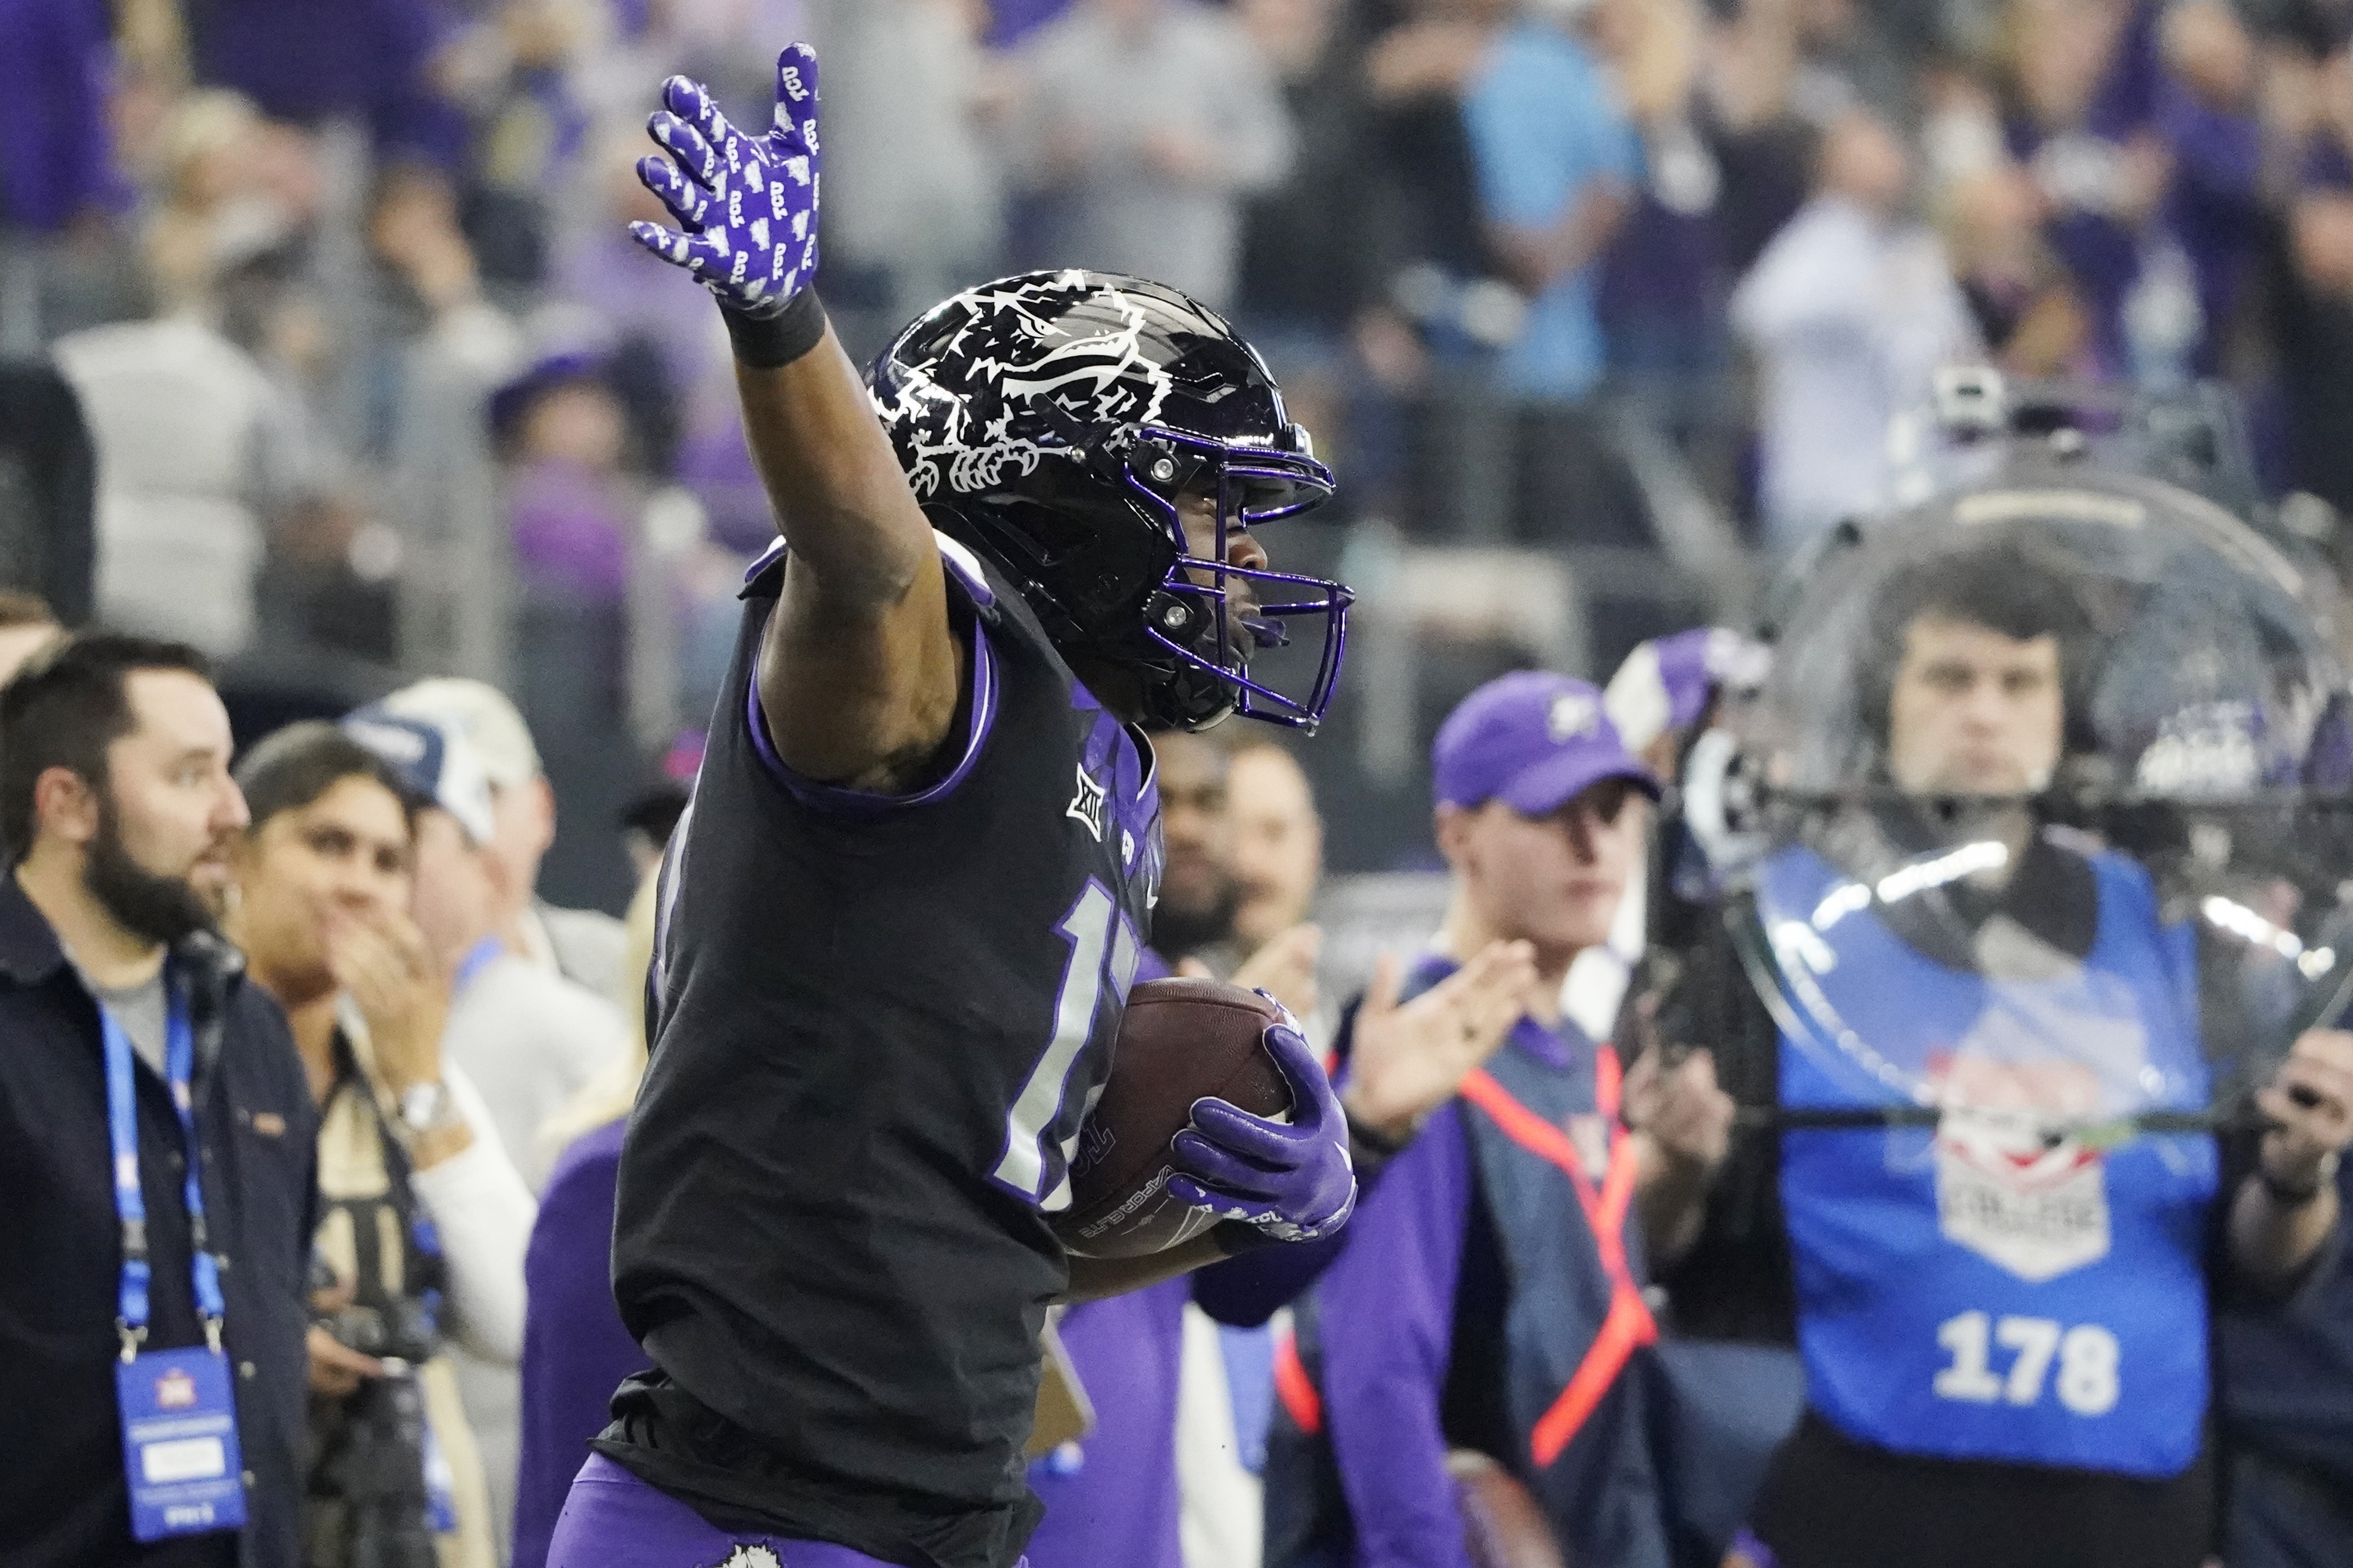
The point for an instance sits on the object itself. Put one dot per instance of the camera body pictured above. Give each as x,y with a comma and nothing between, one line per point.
371,1505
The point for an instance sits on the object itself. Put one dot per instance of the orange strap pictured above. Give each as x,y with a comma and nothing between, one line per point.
1294,1387
1608,1081
1628,1323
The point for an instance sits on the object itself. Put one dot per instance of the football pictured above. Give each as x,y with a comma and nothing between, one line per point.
1180,1040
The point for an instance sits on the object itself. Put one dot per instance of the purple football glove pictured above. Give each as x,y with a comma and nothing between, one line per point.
1292,1183
747,204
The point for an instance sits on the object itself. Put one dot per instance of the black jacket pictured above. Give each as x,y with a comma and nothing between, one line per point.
64,1500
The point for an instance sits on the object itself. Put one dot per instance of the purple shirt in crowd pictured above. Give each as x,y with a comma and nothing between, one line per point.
1010,21
1662,284
2102,255
2214,207
304,61
571,530
1119,1502
574,1350
55,162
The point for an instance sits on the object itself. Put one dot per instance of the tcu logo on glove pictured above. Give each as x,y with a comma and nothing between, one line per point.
745,205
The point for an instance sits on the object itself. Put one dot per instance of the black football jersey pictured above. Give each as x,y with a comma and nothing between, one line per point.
879,1024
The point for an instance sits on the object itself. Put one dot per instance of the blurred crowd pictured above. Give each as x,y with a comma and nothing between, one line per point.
334,316
324,351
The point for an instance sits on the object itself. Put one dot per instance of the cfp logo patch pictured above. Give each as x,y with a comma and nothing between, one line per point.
175,1390
1087,806
1573,713
2038,1213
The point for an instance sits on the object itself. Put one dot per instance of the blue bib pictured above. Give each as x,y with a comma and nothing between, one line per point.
1965,1292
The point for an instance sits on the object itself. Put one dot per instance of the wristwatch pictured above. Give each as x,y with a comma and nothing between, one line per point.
428,1108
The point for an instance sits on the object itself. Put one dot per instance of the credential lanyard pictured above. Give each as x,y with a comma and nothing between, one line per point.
479,957
129,1200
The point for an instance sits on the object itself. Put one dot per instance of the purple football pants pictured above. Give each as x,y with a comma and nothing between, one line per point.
613,1519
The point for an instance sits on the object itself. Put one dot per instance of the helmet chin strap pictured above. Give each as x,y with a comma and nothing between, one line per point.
1189,700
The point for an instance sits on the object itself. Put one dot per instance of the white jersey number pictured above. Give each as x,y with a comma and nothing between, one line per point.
1104,951
2086,1354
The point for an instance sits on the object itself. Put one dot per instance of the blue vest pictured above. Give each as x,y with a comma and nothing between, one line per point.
1599,1488
1573,1393
1960,1295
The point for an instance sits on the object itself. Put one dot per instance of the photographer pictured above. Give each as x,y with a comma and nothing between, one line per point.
423,1218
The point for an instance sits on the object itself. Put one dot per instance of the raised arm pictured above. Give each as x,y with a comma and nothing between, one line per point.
859,669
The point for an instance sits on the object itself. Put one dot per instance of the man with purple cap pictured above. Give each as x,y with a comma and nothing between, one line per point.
1490,1295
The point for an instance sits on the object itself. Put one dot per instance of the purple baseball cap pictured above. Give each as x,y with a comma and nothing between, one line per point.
1665,683
1533,739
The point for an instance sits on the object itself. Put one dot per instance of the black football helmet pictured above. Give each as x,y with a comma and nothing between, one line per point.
1052,420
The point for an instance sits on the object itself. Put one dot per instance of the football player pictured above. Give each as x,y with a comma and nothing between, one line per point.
900,919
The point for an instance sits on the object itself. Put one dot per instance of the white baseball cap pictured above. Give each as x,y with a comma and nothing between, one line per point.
435,764
484,714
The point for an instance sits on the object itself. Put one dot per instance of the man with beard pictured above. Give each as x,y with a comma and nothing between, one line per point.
1195,916
156,1137
1194,925
1277,838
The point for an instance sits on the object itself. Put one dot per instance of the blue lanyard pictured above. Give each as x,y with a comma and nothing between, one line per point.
479,957
129,1200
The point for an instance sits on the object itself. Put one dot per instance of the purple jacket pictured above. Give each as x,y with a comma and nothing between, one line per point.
1115,1501
574,1350
1391,1297
1463,1301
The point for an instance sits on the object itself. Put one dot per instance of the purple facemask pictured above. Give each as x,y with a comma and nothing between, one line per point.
1255,484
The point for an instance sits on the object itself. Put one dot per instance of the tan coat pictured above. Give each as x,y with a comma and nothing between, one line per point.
355,1188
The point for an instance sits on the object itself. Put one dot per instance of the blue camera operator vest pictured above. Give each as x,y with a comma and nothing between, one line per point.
1973,1291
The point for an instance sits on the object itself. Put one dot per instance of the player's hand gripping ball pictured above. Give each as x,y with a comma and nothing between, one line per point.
1187,1131
1290,1181
746,206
